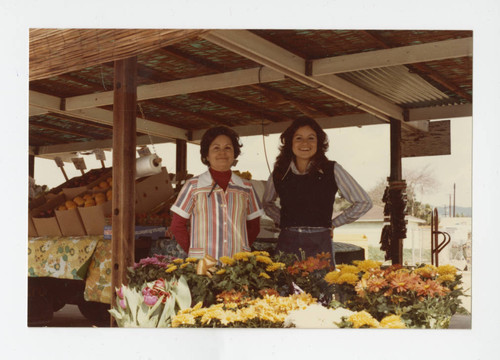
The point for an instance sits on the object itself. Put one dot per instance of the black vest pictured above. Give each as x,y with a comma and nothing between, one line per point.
307,200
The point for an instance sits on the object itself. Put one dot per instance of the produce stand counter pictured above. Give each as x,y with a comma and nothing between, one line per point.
77,270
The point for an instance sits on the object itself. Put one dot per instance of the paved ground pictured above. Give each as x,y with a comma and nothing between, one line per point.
70,316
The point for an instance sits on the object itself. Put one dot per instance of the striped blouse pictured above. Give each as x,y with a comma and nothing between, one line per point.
349,188
218,218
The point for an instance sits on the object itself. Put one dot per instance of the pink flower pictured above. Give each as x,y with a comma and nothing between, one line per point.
123,304
150,300
120,293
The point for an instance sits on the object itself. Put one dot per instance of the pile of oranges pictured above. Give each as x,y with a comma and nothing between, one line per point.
99,195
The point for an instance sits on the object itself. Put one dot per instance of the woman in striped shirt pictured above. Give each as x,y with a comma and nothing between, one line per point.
223,208
306,183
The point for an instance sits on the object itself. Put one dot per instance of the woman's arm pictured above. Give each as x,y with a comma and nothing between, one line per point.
253,229
353,193
179,229
269,201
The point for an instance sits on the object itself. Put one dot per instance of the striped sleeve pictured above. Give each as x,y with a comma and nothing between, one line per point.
184,203
354,194
269,201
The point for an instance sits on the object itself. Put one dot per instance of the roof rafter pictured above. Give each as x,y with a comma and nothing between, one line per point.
183,86
52,104
439,50
268,54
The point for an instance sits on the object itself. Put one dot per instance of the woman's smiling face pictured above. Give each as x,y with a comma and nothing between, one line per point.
304,143
221,153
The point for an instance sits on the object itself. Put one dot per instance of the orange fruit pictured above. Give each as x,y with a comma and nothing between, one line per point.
104,185
78,201
89,202
70,204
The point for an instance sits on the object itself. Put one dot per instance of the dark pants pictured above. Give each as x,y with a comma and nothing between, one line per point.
310,242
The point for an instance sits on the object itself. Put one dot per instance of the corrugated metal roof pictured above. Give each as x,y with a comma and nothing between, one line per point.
399,85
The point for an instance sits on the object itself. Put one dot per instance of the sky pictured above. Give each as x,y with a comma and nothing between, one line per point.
364,152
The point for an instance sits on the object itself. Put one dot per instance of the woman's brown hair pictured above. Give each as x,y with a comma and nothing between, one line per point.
286,153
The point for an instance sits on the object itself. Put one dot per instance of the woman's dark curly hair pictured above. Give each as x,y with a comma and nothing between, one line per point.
210,136
286,153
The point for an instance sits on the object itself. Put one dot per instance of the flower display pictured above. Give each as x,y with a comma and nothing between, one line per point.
153,306
424,297
269,311
254,289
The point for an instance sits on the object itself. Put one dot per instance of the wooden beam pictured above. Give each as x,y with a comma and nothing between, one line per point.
124,153
54,150
180,161
102,116
439,50
396,176
329,122
183,86
440,112
31,165
268,54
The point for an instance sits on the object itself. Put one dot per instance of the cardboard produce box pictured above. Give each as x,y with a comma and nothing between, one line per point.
94,217
152,190
72,192
31,226
44,217
70,221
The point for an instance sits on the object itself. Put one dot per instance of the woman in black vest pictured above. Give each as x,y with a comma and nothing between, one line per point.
306,183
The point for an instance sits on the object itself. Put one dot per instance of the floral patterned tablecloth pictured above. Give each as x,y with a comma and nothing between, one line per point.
60,257
85,258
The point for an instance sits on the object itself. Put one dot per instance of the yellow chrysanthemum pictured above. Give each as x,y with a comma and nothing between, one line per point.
446,277
171,268
365,265
332,276
183,265
178,261
226,260
348,278
263,259
264,275
392,322
363,318
191,259
351,269
221,271
275,266
426,271
242,256
183,319
198,305
263,253
446,270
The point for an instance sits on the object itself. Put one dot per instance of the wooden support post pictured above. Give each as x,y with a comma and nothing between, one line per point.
396,251
180,161
124,169
31,166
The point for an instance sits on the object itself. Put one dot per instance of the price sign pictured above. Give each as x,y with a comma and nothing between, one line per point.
79,163
100,155
144,151
59,162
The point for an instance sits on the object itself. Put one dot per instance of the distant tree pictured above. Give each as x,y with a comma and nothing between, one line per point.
418,182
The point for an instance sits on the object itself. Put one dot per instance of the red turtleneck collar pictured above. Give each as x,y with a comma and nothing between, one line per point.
221,177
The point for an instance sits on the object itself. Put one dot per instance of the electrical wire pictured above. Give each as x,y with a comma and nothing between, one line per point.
263,132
